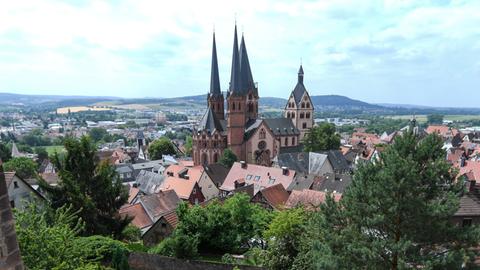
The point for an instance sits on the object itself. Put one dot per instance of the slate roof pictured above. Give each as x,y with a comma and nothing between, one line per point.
149,182
281,126
235,71
159,203
209,122
337,160
298,161
214,77
246,78
470,203
275,195
299,89
332,183
302,181
217,173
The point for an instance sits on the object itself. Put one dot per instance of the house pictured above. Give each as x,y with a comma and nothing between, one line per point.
310,199
140,218
197,174
217,172
307,163
338,161
335,183
261,177
272,198
468,212
161,229
302,181
149,182
187,190
20,192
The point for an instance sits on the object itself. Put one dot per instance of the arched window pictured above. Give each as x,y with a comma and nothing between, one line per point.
213,106
308,104
307,115
239,106
303,104
233,106
304,125
293,141
215,158
204,159
286,141
293,115
250,96
301,115
262,134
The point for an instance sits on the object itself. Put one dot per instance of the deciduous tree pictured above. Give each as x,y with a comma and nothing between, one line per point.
321,138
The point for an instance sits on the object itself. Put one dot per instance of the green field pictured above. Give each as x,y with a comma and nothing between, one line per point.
423,118
54,148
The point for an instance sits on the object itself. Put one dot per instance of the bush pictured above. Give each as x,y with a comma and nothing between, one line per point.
178,245
131,234
100,247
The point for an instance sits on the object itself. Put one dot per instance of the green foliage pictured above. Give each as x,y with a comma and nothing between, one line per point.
97,134
228,158
178,245
378,125
5,152
321,138
284,236
160,147
435,119
91,187
36,138
120,259
131,234
188,145
101,248
223,227
24,167
395,214
42,153
176,117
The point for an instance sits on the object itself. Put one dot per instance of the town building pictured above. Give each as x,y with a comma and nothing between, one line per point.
251,138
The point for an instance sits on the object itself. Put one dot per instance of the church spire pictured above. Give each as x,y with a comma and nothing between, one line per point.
246,78
214,77
235,75
300,75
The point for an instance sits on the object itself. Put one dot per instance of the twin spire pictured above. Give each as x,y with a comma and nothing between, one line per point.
241,79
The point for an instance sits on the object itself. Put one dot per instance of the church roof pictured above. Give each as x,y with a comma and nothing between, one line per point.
235,72
281,126
246,78
209,122
214,77
299,88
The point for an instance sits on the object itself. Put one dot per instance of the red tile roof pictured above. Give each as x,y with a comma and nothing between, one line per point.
275,195
308,198
182,187
138,213
261,177
471,169
194,173
443,131
132,194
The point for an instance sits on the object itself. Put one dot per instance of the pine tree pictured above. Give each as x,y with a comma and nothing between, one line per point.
396,214
90,186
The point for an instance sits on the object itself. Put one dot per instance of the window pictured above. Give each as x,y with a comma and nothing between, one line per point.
293,140
262,134
304,125
249,177
194,191
12,203
257,178
301,115
308,105
307,115
288,114
271,181
466,222
233,106
239,106
15,184
293,115
215,158
303,104
286,141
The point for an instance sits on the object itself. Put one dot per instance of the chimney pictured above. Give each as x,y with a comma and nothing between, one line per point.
284,170
243,164
187,177
135,185
462,161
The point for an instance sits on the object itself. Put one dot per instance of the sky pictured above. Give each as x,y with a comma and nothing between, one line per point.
393,51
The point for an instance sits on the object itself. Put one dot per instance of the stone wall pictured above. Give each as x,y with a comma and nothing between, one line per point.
144,261
9,252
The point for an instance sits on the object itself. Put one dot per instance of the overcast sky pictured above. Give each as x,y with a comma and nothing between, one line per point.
411,51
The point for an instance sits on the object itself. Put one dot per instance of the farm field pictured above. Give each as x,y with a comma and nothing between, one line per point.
74,109
423,118
54,148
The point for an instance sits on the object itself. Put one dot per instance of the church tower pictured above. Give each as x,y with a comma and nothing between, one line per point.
215,96
242,98
299,107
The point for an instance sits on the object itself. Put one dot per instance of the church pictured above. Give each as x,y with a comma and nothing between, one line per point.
253,139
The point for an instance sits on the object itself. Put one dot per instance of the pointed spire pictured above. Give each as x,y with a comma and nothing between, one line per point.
214,77
235,75
300,75
246,78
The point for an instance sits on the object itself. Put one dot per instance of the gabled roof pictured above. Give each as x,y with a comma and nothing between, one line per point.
275,195
331,182
281,126
182,187
136,211
217,172
159,203
194,173
337,160
149,182
209,122
302,181
308,198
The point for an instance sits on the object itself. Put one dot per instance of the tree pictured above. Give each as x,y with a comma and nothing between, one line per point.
97,134
228,158
5,152
396,214
42,153
90,186
160,147
435,119
321,138
188,145
24,167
